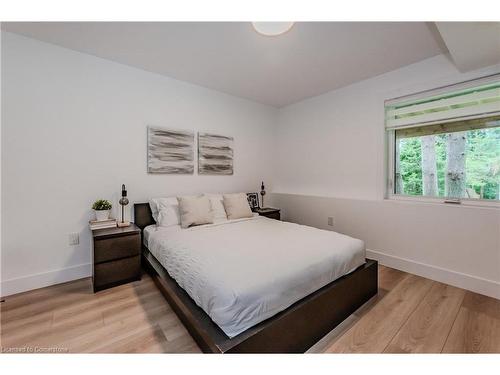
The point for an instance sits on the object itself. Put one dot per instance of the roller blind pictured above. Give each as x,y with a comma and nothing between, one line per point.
449,127
458,104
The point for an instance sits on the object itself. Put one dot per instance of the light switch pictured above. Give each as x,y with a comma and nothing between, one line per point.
74,239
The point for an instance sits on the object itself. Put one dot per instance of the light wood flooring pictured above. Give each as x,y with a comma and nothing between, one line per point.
410,314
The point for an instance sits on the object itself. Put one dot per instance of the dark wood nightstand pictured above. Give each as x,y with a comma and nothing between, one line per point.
272,213
116,256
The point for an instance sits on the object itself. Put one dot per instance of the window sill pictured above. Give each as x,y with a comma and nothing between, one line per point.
471,203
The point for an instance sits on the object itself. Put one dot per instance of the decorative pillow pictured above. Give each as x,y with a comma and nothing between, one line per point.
195,211
218,210
237,206
157,203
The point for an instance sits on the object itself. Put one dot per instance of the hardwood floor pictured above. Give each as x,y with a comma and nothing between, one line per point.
129,318
410,314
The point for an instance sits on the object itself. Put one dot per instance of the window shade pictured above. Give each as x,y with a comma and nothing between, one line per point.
449,127
454,105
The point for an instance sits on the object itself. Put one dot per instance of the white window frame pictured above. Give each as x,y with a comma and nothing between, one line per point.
390,138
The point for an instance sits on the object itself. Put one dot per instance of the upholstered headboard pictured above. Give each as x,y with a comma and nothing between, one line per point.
142,215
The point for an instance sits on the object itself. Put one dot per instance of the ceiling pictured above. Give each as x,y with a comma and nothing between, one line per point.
311,59
472,45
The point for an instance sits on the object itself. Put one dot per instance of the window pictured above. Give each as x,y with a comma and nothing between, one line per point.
446,144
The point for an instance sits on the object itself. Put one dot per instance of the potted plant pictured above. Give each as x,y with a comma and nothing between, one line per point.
101,208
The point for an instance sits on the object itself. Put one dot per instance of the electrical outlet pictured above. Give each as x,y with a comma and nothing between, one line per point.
74,239
330,221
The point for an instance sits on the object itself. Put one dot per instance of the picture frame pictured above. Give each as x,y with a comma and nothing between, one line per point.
215,154
253,200
170,151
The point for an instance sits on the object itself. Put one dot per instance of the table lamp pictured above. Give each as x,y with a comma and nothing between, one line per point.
123,202
262,192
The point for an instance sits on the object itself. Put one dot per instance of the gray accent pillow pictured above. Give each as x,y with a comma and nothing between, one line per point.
195,210
237,206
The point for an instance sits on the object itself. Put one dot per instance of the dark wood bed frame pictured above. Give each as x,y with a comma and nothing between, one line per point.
293,330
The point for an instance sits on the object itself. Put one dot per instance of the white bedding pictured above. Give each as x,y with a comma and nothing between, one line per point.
244,271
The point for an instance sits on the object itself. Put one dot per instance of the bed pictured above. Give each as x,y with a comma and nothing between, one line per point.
286,285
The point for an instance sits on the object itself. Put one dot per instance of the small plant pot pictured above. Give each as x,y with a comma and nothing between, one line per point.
101,215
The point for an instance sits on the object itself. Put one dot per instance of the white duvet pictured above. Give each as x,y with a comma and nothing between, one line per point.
242,272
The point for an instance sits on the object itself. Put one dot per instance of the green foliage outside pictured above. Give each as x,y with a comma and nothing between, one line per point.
410,156
482,163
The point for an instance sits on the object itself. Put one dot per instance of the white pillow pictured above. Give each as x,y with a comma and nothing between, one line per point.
237,206
153,204
218,210
195,211
168,214
165,211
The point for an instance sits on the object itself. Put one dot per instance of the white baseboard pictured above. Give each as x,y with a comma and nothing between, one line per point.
473,283
476,284
40,280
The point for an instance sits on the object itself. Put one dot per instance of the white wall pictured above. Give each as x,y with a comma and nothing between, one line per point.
333,146
74,129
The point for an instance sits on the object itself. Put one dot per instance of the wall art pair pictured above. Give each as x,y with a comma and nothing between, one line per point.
172,152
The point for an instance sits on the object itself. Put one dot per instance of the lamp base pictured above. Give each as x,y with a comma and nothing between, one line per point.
124,224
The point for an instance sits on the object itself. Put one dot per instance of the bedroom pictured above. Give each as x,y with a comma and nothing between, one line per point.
251,188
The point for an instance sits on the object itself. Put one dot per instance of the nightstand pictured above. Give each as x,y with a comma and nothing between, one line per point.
116,256
272,213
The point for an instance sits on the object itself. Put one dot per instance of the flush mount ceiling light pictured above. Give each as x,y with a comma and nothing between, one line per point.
272,28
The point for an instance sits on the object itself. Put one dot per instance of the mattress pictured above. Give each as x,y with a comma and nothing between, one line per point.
242,272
